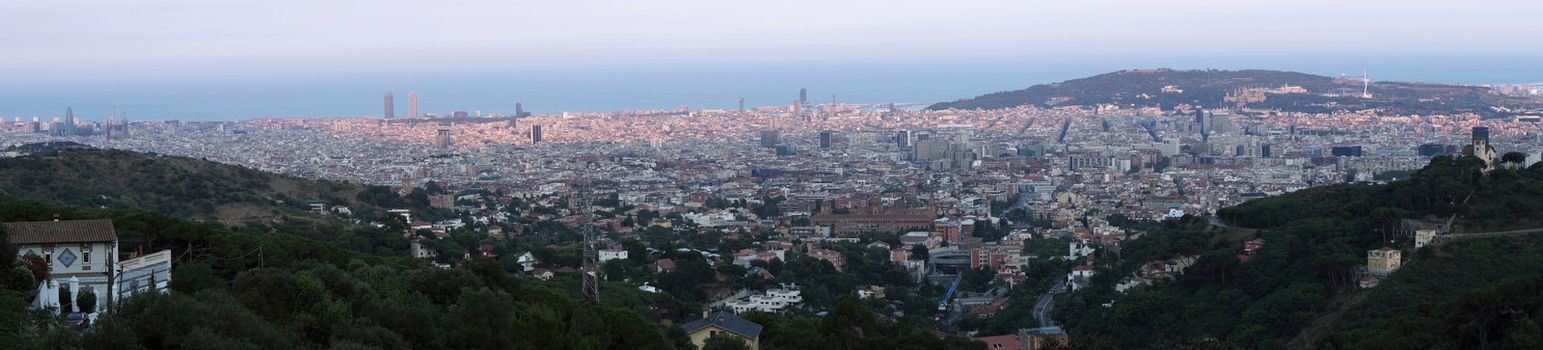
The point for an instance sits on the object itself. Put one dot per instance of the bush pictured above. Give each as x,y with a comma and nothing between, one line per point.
87,301
64,299
20,278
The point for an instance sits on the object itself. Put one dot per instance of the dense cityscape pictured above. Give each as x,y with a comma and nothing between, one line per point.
708,175
968,186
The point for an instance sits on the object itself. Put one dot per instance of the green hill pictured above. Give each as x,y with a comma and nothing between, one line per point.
1207,88
83,176
1300,290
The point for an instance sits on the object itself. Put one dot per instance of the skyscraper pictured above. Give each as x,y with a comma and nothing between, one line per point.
769,138
389,105
519,110
825,138
535,134
69,122
803,95
412,104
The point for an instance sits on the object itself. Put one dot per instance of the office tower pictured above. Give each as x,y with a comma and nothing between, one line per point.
519,110
803,95
69,122
1264,150
1200,120
903,138
798,108
1221,122
769,138
412,104
825,136
389,105
741,106
442,139
535,134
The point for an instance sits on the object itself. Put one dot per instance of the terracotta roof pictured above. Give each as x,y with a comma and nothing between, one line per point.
68,231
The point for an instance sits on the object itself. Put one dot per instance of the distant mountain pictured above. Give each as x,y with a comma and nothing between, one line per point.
79,175
1168,88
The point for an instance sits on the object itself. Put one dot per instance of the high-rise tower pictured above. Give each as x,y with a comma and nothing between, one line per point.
412,104
69,122
389,105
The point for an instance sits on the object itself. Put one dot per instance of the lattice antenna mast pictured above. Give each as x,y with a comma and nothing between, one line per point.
591,268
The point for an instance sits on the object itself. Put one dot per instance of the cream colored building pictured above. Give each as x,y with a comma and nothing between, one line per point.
1383,261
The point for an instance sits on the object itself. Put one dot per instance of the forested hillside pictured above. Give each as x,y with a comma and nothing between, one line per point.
83,176
233,290
1303,277
1469,294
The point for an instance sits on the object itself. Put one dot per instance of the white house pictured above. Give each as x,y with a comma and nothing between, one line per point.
1079,249
608,255
1079,276
80,255
145,274
773,300
527,261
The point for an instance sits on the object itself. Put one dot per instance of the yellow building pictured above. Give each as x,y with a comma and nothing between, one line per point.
722,323
1383,261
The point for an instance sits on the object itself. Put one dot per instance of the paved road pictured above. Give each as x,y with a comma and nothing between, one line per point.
1218,223
1493,233
1046,303
1526,231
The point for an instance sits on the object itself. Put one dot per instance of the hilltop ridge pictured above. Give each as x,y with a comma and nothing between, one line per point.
1254,88
80,175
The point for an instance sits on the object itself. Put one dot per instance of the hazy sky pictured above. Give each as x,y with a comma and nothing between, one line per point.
159,38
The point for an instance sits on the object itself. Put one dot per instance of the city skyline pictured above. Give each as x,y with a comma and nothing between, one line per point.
599,89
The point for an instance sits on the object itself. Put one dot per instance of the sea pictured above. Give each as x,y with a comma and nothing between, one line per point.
611,87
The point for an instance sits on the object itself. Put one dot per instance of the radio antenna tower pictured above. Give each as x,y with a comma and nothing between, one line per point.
591,268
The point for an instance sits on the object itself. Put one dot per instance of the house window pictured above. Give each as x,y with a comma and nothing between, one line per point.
85,254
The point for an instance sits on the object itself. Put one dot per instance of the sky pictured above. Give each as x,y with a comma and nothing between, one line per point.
158,38
225,59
